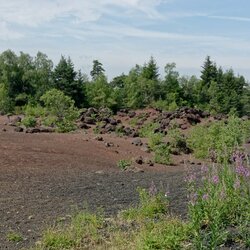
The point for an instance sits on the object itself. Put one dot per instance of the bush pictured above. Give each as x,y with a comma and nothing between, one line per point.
177,141
219,206
162,154
34,110
147,129
123,164
29,121
220,137
6,103
62,107
152,204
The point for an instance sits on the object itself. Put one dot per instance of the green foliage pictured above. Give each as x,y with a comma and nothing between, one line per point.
100,93
29,121
160,104
82,231
62,107
169,234
65,79
97,71
220,137
177,141
162,154
154,140
123,164
26,79
148,129
6,103
152,204
219,206
14,237
34,110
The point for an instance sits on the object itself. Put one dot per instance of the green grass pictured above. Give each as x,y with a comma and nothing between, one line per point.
123,164
14,237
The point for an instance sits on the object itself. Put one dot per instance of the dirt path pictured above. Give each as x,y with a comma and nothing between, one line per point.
44,176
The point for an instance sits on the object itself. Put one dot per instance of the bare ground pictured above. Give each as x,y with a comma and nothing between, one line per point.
43,177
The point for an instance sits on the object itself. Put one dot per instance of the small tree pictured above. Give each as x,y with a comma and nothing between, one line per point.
6,104
61,107
97,70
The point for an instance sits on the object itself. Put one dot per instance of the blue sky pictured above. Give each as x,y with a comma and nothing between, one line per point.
121,33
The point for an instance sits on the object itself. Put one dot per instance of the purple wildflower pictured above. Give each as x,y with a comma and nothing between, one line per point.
205,197
215,179
242,171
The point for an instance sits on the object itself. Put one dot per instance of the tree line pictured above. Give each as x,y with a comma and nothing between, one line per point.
25,79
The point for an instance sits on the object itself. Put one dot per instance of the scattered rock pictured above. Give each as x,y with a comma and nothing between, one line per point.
139,160
109,144
89,120
149,162
146,149
110,128
112,121
98,138
33,130
46,130
16,120
245,118
83,126
4,129
137,142
18,129
131,114
184,126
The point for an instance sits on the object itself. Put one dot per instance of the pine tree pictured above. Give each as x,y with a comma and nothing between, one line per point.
64,77
97,70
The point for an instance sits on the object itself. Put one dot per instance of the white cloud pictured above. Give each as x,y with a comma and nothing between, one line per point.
232,18
34,12
8,34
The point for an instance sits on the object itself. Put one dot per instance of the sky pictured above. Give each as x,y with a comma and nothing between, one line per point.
123,33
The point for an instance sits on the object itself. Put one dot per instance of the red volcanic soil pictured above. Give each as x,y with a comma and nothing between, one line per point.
43,177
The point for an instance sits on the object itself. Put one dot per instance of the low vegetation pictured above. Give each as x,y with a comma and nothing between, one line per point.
218,216
124,164
14,237
217,140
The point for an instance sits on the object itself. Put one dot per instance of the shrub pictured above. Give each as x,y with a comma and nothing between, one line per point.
162,154
29,121
6,103
123,164
147,129
34,110
220,137
152,204
177,141
62,107
219,206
